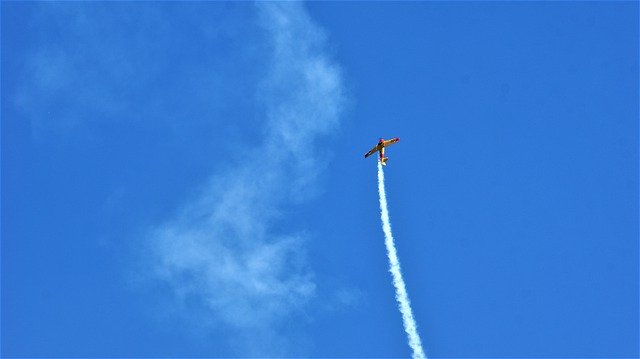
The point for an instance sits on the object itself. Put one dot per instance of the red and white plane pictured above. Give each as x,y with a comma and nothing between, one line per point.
380,148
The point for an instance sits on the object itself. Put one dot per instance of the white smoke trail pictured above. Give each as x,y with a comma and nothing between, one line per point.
394,267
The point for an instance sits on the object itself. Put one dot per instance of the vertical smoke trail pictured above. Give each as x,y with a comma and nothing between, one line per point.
394,267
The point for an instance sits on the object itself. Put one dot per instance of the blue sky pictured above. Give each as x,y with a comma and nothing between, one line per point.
186,179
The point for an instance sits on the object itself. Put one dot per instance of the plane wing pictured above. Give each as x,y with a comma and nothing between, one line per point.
373,150
391,142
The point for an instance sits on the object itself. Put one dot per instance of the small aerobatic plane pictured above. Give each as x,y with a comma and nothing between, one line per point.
380,148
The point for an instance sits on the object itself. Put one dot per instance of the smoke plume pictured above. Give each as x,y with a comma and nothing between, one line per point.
394,267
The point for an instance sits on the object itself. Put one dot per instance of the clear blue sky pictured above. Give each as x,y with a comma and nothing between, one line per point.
186,179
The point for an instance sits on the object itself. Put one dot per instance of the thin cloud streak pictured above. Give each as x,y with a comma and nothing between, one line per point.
225,249
402,297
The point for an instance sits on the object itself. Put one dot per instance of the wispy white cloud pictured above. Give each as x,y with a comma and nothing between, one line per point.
127,65
227,248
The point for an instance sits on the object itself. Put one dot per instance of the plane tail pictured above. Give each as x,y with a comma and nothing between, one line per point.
384,160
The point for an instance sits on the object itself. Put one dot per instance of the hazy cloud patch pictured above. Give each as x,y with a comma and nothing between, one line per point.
226,248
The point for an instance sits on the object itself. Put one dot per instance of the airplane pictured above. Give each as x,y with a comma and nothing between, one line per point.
380,148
